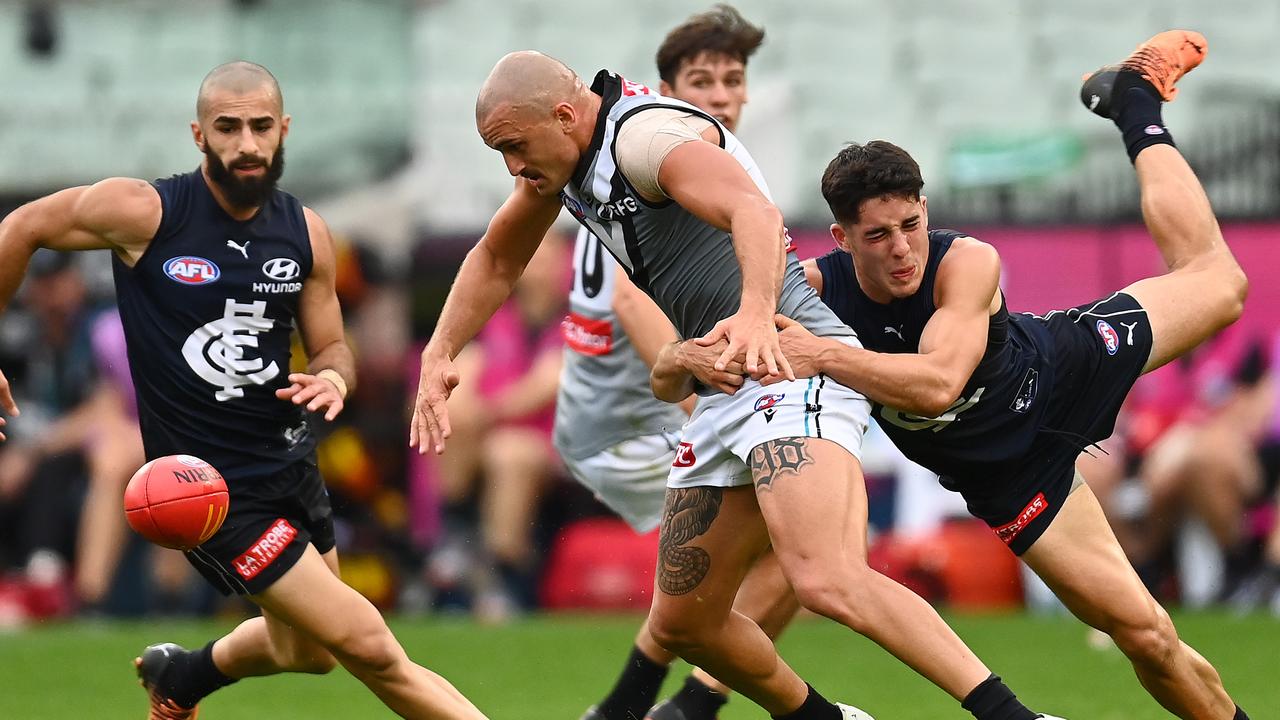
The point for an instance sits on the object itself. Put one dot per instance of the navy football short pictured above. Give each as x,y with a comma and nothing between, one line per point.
1099,350
270,522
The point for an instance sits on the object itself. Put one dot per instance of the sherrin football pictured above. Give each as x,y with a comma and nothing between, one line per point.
178,501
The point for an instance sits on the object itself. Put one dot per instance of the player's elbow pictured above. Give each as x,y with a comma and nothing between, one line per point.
936,400
17,231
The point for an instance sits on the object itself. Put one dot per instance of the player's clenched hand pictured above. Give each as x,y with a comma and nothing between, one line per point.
753,339
7,405
700,361
799,345
430,422
317,392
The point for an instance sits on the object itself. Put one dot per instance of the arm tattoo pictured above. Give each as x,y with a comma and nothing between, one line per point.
773,459
688,513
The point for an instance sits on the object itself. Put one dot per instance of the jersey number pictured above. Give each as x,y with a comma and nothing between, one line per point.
907,421
591,275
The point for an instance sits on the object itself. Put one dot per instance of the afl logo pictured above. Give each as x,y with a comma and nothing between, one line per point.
281,269
190,460
768,401
1109,336
191,270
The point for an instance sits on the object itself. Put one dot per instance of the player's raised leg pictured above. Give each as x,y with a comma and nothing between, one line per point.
1080,559
812,496
1204,289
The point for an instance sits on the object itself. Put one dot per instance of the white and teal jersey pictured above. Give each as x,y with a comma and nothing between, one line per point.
604,397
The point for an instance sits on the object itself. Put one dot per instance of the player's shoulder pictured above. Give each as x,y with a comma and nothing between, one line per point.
964,247
967,260
120,207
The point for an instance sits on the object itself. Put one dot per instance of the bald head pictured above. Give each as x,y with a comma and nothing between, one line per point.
527,80
238,78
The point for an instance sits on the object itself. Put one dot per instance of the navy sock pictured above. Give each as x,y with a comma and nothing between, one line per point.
194,676
815,707
698,701
635,690
1137,114
993,700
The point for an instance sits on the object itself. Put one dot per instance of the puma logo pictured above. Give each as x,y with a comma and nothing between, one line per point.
1093,102
1129,327
895,331
244,249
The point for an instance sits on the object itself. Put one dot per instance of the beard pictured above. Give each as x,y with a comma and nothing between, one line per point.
246,192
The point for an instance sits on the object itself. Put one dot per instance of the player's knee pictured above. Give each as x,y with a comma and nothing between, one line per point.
833,593
676,632
1151,641
371,651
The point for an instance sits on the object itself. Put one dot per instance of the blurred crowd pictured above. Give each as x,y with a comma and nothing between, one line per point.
496,528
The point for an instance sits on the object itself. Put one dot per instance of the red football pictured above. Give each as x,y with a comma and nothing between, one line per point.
177,501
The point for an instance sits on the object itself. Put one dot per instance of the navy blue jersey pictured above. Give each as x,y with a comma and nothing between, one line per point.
208,311
1002,406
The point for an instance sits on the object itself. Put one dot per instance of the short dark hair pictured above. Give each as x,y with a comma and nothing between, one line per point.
861,172
721,30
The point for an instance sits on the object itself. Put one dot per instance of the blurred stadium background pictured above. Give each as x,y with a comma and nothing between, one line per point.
984,95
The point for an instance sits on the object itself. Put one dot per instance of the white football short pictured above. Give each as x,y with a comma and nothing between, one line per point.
630,477
718,439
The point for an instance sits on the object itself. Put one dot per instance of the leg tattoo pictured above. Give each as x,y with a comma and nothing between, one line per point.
773,459
688,513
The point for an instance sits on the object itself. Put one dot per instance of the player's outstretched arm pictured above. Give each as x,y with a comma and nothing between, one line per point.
121,214
924,383
484,281
331,368
649,331
711,184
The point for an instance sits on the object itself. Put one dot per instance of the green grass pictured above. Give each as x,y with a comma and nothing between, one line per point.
553,667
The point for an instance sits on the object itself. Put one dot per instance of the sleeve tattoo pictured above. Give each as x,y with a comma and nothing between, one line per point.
688,513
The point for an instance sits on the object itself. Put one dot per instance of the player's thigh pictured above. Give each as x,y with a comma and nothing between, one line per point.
1080,559
312,600
813,498
1185,307
709,539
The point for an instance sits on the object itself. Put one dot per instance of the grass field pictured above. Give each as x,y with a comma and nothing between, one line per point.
552,667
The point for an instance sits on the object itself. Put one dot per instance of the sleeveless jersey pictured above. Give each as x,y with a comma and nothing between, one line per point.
685,264
604,396
207,313
1002,406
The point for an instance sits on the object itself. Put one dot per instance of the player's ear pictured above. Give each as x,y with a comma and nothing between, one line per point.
284,126
566,116
838,234
665,89
197,135
924,211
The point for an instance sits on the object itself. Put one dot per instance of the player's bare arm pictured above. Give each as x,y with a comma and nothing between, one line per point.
331,368
121,214
484,281
708,182
952,344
